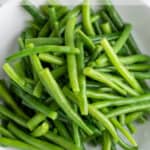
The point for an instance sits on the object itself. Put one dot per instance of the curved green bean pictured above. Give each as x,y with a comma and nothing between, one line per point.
71,59
119,66
16,144
31,140
53,89
86,18
42,49
99,77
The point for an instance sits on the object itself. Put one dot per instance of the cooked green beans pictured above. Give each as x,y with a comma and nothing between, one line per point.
77,78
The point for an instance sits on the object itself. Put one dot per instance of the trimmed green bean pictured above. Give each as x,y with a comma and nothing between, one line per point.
35,121
67,144
86,18
129,109
62,129
51,59
44,41
13,75
99,77
141,75
58,72
6,132
106,28
16,144
122,101
71,59
106,123
42,49
98,94
36,104
119,66
107,144
124,132
41,129
37,91
82,80
6,112
30,140
35,13
86,40
139,67
76,132
7,98
53,89
133,117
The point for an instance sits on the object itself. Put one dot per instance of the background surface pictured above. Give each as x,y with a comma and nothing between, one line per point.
13,20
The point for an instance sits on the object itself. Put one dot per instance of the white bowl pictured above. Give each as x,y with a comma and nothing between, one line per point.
13,20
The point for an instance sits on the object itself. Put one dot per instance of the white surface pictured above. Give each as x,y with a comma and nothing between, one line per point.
12,22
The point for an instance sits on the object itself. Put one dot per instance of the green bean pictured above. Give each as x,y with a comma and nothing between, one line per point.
16,144
122,119
19,67
71,59
94,113
7,98
141,75
98,94
86,18
37,92
6,132
86,40
35,120
123,101
67,144
124,131
101,118
53,89
31,140
82,80
44,32
132,117
52,16
58,72
21,43
51,59
42,49
138,67
35,13
62,11
126,146
73,13
106,141
62,129
95,22
106,18
99,77
129,109
37,105
44,41
76,132
134,59
131,128
6,112
118,45
118,81
13,75
106,28
41,129
119,66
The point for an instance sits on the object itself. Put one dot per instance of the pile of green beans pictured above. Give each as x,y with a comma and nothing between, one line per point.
78,77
